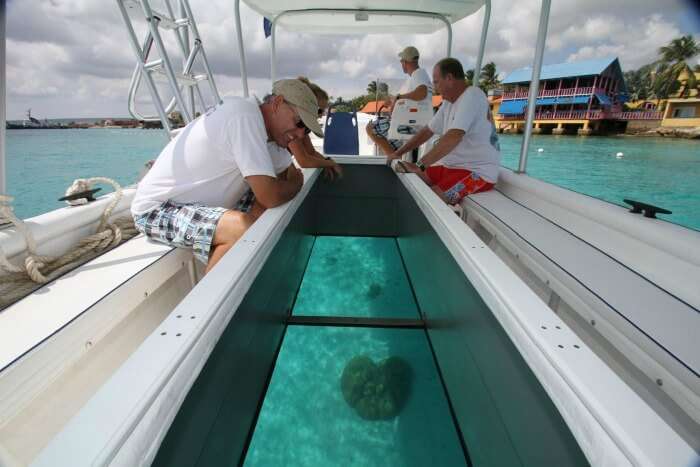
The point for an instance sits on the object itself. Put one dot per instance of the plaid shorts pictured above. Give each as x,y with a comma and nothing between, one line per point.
381,128
182,225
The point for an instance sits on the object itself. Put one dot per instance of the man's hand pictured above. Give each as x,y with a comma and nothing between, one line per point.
369,128
393,156
407,167
333,171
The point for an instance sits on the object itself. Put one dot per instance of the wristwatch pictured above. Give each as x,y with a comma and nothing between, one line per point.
420,165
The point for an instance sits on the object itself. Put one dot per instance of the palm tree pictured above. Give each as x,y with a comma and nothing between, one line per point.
674,61
489,77
469,76
639,82
372,89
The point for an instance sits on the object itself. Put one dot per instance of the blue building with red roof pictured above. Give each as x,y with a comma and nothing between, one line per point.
585,96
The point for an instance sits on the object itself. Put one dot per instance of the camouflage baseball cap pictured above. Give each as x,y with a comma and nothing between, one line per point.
298,94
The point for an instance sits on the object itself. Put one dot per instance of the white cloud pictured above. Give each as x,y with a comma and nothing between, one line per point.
71,58
636,43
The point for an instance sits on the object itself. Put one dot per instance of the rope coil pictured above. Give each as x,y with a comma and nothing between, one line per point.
40,269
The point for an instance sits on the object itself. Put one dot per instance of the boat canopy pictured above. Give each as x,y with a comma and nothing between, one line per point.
362,17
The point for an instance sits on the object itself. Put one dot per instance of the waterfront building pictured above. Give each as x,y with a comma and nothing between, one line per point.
682,113
584,97
683,107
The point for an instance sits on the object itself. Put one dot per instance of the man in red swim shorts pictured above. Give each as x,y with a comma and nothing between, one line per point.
466,158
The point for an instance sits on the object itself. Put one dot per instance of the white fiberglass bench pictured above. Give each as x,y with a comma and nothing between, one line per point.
607,271
59,344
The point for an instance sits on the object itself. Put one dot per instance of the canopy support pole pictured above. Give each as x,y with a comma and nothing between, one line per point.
241,51
273,52
534,83
482,42
449,36
3,110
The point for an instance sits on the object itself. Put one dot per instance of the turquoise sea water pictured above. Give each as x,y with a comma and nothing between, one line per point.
355,395
660,171
41,164
377,288
305,420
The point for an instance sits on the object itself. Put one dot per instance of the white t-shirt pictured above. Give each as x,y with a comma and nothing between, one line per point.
419,77
479,151
281,157
208,160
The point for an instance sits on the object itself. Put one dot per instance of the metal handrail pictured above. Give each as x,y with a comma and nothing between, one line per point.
136,77
144,68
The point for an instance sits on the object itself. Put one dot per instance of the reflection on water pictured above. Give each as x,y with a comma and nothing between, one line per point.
307,420
355,276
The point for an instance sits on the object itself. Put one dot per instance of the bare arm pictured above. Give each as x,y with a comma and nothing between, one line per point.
271,192
418,94
443,147
305,154
419,138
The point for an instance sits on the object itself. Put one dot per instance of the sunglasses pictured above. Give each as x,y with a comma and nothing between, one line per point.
300,124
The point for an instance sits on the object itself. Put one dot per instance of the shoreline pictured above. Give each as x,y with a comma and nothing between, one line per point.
692,133
68,124
670,133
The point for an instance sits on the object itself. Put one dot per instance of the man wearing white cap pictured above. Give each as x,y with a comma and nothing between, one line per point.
189,197
417,88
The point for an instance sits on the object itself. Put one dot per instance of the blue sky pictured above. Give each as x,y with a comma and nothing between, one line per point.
71,58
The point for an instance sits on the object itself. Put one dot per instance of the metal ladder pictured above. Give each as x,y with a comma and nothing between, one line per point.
183,25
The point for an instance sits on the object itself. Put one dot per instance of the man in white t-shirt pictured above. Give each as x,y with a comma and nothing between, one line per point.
189,197
416,88
467,157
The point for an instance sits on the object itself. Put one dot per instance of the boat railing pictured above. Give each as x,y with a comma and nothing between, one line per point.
586,115
560,92
638,115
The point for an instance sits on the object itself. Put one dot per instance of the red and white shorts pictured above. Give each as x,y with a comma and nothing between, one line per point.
456,183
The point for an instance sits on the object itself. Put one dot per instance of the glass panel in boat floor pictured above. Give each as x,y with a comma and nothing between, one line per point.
355,396
357,277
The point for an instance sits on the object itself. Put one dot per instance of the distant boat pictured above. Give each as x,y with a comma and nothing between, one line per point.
31,122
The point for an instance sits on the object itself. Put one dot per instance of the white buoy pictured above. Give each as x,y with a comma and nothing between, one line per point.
540,150
619,155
